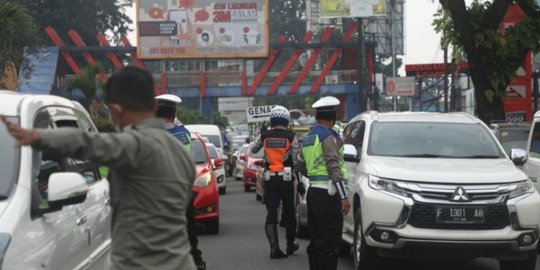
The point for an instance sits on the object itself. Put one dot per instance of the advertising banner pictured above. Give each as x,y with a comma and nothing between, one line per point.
202,29
400,86
352,8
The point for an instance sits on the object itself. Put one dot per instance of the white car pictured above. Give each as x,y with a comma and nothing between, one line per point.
54,212
436,185
219,168
532,165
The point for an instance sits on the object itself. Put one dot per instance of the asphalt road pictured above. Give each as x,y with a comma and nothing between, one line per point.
241,242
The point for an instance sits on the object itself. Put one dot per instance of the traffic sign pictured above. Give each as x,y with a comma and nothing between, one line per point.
259,113
400,86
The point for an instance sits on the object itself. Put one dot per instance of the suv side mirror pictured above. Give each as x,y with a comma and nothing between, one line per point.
66,188
350,153
518,156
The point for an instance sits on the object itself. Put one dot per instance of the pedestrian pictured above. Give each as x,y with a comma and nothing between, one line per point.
167,111
321,160
151,174
279,146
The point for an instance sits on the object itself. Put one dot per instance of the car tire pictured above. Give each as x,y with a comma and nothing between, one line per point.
247,188
364,256
258,197
222,190
527,264
212,227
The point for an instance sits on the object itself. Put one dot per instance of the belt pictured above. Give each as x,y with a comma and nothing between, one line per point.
276,173
319,179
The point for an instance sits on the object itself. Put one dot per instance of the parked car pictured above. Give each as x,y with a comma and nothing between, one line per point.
251,168
219,168
511,135
240,163
205,187
436,185
532,165
54,212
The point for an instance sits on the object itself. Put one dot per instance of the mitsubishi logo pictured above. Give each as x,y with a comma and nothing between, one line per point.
460,195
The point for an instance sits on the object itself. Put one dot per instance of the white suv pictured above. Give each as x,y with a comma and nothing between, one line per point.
436,185
54,211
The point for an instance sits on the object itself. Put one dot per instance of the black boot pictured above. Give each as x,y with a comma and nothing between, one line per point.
272,234
314,262
292,246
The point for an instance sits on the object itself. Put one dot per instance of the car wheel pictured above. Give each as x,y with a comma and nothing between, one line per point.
212,227
258,197
527,264
247,188
364,256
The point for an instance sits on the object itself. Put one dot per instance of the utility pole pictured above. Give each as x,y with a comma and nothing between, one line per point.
393,51
361,66
453,86
535,91
445,79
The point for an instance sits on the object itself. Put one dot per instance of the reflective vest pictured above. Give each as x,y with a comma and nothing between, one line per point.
277,149
183,135
312,151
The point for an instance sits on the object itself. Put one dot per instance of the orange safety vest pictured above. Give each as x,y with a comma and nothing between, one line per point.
275,149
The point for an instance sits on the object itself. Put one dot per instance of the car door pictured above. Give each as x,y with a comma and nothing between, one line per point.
532,166
353,134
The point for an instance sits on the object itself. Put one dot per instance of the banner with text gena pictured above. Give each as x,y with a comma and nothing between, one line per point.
202,29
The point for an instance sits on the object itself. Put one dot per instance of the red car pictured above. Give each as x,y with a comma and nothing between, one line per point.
251,167
206,202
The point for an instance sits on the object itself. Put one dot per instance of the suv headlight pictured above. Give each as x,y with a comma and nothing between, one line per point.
382,184
522,188
203,181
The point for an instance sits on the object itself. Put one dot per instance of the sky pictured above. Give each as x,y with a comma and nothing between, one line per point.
421,42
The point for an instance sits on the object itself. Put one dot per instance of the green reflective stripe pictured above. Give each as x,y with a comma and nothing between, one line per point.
315,163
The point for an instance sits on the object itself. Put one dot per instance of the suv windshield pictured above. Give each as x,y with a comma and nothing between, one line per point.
9,158
432,140
513,138
198,153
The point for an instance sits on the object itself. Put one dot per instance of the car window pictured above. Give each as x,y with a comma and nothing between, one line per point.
356,135
534,150
212,151
347,132
198,153
425,139
513,138
243,150
9,158
214,139
259,154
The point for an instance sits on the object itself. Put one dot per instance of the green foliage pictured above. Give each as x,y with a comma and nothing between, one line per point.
88,81
220,120
188,116
17,31
87,17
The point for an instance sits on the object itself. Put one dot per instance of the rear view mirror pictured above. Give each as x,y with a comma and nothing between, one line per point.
66,188
243,157
218,162
350,154
518,156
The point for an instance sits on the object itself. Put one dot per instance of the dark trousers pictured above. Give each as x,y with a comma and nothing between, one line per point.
195,251
275,190
325,224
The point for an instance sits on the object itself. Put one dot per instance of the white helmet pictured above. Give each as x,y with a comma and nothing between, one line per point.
279,115
326,102
169,98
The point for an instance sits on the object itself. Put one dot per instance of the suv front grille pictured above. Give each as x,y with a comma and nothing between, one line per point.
423,216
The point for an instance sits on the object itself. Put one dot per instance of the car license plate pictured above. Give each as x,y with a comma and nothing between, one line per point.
460,215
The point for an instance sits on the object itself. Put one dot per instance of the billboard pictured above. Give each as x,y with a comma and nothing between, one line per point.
400,86
352,8
202,29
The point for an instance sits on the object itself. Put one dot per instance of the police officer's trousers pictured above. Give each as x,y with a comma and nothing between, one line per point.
276,190
325,222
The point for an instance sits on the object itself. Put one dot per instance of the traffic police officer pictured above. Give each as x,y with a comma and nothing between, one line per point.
167,110
321,160
279,146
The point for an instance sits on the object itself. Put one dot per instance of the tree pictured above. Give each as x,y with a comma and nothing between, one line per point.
188,116
88,18
16,33
221,121
493,55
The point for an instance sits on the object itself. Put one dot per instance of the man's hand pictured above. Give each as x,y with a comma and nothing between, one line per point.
23,136
345,206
